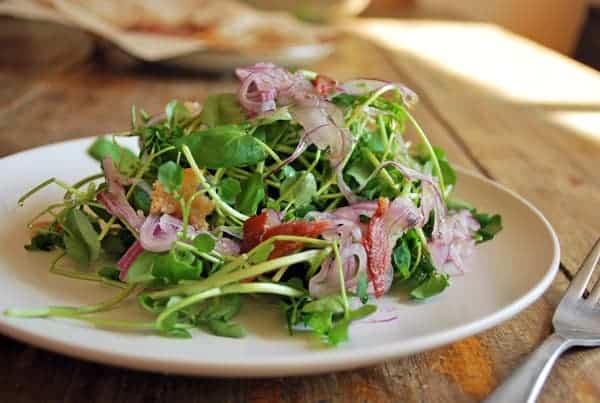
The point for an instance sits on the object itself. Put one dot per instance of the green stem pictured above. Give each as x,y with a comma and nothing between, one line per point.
213,194
45,183
338,259
425,140
382,172
66,311
190,248
54,269
48,210
251,288
269,150
218,280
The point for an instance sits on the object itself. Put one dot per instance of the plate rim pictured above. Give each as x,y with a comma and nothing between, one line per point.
315,364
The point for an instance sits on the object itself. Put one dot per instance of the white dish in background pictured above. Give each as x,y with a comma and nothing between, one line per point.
213,61
506,275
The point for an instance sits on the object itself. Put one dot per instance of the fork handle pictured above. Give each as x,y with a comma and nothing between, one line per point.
525,384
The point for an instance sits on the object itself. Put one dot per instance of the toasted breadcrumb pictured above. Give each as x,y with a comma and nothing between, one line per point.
165,203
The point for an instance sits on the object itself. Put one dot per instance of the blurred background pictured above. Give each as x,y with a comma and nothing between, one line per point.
242,32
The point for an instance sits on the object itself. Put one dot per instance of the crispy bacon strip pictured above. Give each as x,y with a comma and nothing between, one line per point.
377,245
310,229
257,229
254,229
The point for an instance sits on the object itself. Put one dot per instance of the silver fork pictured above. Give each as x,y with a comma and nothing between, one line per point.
576,323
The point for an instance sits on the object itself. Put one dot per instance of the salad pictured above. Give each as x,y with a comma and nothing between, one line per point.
300,189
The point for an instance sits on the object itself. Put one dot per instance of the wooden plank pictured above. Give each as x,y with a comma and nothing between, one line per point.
501,105
463,372
26,58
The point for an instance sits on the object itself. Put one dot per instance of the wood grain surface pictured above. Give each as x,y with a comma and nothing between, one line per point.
70,90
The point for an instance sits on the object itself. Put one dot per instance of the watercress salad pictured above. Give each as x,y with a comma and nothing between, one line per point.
296,187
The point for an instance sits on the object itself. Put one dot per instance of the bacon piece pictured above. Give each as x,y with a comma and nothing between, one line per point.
254,229
258,229
310,229
377,245
324,85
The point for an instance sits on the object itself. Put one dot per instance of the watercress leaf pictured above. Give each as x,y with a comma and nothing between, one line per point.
434,285
373,141
141,200
455,204
171,176
229,189
401,260
338,333
223,147
447,171
490,225
332,303
150,304
140,270
101,213
176,265
123,158
344,100
320,322
81,228
299,189
116,242
253,192
175,112
222,308
226,329
222,109
362,312
204,242
109,272
261,253
44,241
287,171
76,249
296,282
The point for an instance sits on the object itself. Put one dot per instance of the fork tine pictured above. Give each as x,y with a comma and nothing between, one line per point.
594,296
584,273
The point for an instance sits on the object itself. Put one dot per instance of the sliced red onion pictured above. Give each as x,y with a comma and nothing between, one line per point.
321,131
454,242
265,83
128,258
300,148
118,205
431,196
345,221
114,198
327,281
228,247
363,86
234,232
158,234
401,215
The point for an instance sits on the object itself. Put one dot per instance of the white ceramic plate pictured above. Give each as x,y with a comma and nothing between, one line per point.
505,276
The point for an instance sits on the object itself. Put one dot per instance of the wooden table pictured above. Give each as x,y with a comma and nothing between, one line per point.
497,103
